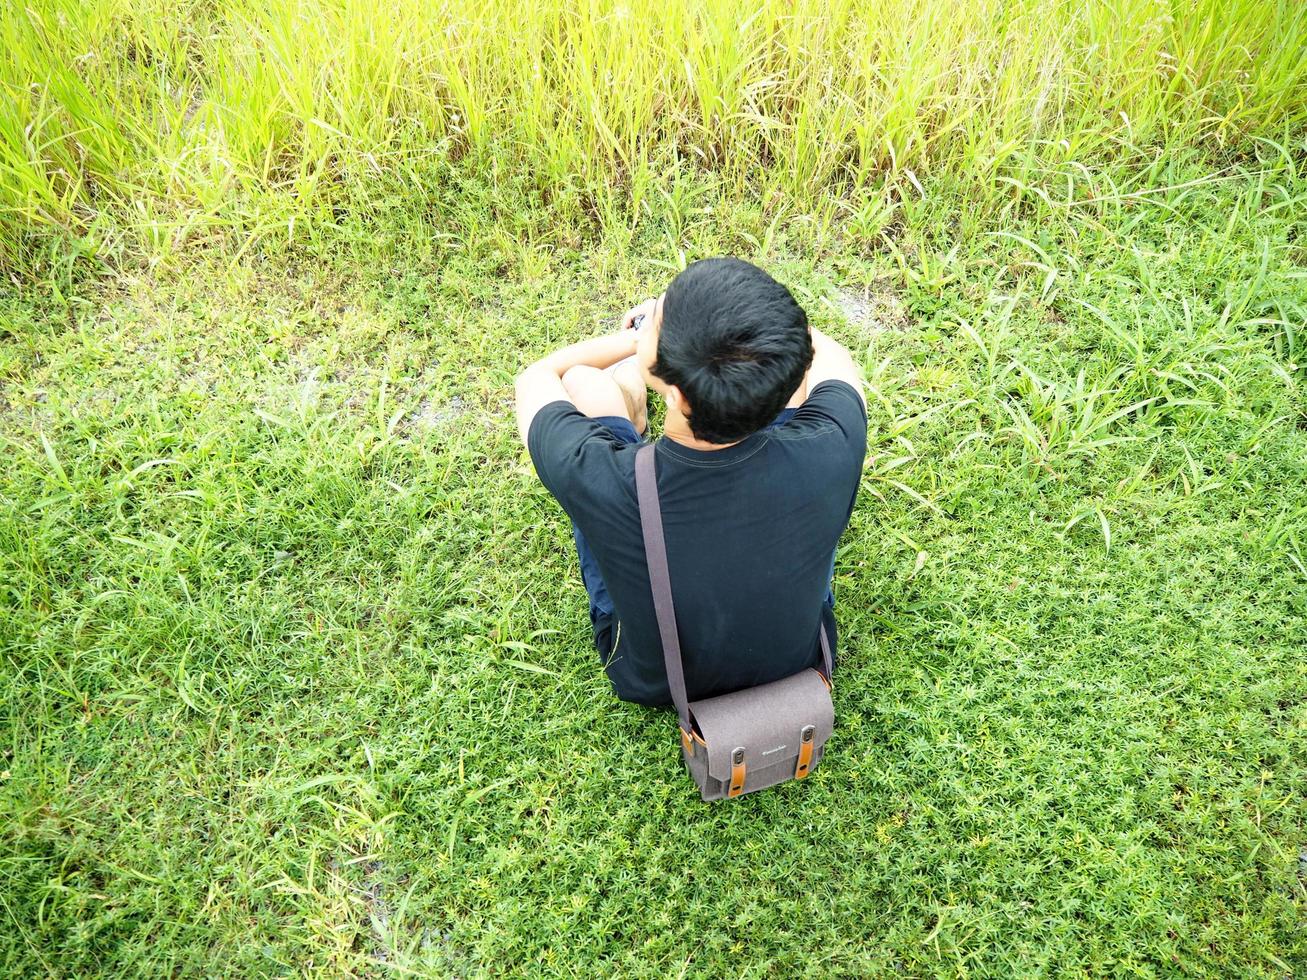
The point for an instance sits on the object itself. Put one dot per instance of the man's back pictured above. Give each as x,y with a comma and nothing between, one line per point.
751,532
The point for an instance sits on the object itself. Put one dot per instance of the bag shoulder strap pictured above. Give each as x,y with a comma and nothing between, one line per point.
826,660
655,549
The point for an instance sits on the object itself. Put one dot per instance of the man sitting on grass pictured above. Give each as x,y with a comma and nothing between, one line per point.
757,469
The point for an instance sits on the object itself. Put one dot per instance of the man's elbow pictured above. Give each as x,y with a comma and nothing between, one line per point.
531,389
522,383
536,369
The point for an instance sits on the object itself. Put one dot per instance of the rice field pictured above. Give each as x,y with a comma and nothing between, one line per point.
295,667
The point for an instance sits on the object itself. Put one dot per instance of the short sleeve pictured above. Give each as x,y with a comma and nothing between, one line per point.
834,403
565,446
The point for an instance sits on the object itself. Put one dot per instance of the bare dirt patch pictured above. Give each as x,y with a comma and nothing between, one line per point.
869,311
430,415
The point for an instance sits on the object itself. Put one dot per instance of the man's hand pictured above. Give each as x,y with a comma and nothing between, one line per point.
645,312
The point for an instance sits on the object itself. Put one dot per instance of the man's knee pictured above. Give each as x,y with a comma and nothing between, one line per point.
579,378
594,392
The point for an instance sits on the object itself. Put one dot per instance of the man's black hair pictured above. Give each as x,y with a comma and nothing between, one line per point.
735,342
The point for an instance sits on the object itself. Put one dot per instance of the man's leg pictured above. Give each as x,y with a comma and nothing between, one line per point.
615,398
617,392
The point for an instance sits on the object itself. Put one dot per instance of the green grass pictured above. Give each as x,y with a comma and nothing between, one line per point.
295,668
297,665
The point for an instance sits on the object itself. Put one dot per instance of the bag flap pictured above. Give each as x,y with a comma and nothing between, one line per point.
767,721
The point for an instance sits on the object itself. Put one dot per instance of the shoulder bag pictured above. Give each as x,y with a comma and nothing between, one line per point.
750,739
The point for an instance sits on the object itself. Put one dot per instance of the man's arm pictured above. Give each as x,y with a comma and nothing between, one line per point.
831,362
542,382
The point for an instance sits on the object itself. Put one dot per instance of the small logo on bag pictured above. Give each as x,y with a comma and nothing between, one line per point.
775,750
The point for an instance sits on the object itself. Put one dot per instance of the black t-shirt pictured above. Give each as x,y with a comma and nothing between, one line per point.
751,530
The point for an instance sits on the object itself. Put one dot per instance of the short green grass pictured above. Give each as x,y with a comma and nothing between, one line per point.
297,675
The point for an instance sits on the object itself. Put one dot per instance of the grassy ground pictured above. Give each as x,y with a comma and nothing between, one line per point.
295,674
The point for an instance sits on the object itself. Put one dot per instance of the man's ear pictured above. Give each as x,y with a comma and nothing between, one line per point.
677,400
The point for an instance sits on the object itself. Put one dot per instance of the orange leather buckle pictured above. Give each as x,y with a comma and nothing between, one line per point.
805,752
687,743
737,773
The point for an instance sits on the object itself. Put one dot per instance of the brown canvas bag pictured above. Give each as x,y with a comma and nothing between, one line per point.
751,739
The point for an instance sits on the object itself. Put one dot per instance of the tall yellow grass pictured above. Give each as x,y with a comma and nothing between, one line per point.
250,114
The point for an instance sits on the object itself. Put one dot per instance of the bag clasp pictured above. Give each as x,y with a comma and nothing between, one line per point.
737,772
805,752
